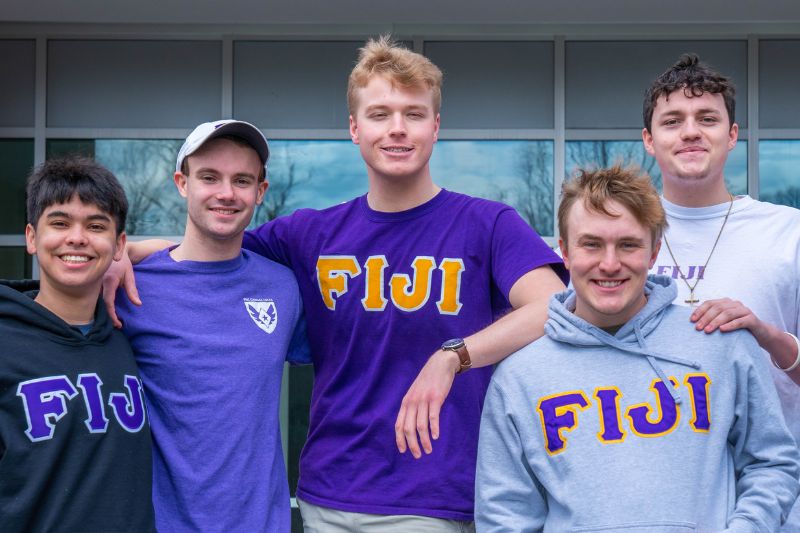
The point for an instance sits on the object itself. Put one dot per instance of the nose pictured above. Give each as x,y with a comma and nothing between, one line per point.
77,236
689,129
225,190
397,125
610,261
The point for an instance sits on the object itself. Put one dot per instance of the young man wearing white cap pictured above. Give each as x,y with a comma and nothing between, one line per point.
215,326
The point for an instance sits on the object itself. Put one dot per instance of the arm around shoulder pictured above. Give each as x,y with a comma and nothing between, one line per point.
120,273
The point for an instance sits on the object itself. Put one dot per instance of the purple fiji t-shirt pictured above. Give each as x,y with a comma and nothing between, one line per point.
210,340
381,292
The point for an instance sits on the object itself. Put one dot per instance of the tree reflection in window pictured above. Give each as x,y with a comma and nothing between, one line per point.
778,174
518,173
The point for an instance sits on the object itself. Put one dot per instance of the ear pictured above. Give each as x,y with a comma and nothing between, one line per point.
563,247
180,183
122,240
262,189
436,131
353,130
30,239
656,249
733,136
647,139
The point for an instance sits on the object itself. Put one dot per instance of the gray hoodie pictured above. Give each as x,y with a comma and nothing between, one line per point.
580,433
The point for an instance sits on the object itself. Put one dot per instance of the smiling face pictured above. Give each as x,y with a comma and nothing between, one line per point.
608,259
395,128
221,190
690,137
74,243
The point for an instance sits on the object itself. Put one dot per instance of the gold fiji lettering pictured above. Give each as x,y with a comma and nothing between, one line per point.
406,292
333,274
410,295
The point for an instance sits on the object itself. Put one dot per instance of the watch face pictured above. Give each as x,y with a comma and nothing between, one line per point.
453,344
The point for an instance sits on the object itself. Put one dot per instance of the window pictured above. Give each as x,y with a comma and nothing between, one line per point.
777,161
519,173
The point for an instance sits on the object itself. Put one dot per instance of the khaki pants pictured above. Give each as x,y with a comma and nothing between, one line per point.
318,519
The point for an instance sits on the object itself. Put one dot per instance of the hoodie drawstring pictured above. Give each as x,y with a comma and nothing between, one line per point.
656,368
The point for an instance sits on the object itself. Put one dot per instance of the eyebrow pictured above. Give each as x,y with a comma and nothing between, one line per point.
589,236
64,214
374,107
701,111
217,173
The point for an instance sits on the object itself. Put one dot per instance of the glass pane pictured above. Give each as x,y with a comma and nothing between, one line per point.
598,96
145,169
292,84
17,92
133,83
593,154
15,263
16,156
314,174
301,380
516,77
519,173
68,147
778,79
777,170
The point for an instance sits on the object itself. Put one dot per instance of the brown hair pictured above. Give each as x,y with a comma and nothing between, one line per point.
627,186
401,66
695,78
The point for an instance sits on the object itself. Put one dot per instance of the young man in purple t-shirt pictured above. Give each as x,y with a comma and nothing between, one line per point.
211,336
386,279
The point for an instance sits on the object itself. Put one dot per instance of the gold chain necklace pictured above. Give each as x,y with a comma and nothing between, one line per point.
692,298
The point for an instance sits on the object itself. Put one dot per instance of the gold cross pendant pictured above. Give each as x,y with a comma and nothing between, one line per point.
692,300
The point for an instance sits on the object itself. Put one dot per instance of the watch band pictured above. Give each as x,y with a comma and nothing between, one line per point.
460,347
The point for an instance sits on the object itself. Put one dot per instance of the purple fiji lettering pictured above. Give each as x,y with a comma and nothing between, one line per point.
90,384
45,404
699,384
129,411
667,414
667,270
558,414
608,407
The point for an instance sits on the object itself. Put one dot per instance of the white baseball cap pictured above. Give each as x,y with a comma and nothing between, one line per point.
210,130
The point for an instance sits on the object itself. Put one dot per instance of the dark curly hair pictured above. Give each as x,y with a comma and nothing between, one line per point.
695,78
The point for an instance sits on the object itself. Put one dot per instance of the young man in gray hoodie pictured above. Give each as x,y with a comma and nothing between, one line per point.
622,416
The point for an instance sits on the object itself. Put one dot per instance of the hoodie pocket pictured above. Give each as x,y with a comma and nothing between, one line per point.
663,526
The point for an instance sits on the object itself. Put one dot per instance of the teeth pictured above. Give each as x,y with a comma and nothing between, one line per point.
609,284
74,258
225,211
398,150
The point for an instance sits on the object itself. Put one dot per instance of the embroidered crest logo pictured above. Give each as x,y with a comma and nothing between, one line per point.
263,312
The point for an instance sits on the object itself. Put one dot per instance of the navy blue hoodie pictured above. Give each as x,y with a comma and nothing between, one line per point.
75,448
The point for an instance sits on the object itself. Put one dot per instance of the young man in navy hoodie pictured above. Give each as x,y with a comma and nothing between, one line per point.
622,416
74,435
